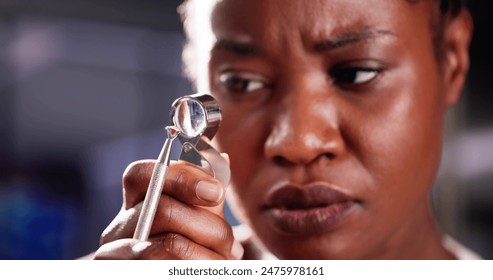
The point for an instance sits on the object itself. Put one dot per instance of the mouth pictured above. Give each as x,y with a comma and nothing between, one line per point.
308,210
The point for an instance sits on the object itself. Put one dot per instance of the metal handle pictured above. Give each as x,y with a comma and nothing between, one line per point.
158,178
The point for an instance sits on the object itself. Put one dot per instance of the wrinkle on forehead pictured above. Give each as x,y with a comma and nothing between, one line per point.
290,16
285,22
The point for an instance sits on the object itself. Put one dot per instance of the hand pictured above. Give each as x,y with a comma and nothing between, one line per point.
189,222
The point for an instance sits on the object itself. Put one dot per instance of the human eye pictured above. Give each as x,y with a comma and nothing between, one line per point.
242,82
357,74
353,75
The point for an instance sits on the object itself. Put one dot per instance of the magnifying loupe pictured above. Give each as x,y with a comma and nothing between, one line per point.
196,115
195,120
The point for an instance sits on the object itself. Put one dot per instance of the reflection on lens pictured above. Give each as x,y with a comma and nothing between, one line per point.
190,117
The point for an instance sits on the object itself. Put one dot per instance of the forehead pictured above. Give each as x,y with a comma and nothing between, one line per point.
261,20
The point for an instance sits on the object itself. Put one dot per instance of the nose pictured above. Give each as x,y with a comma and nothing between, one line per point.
305,128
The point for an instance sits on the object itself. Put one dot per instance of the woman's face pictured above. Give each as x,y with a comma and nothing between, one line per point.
332,118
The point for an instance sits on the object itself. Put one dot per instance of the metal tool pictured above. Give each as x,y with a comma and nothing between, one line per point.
195,119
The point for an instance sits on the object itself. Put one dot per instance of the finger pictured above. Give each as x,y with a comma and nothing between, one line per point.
170,246
184,181
181,247
197,224
131,249
226,157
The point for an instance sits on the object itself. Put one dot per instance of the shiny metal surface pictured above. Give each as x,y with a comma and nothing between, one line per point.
196,115
195,119
155,188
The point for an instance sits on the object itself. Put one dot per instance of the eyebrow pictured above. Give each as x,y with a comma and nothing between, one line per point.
246,49
352,38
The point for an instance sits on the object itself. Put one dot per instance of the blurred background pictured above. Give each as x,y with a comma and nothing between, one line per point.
85,89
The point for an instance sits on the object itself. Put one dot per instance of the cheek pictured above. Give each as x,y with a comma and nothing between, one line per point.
402,141
241,135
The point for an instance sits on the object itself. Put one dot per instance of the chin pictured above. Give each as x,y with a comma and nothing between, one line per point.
328,246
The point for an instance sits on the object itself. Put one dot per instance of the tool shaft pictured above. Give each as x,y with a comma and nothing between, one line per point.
153,194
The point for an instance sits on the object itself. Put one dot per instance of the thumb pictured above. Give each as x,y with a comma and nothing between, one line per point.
219,209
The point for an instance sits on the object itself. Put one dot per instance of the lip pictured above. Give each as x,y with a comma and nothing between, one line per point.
307,210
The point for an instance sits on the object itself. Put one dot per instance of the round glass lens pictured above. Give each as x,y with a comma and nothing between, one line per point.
190,117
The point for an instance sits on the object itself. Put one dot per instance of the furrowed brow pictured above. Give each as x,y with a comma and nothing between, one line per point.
351,38
244,49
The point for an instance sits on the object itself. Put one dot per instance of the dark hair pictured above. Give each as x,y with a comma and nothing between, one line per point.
452,6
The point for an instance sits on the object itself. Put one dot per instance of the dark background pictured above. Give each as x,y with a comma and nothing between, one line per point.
85,89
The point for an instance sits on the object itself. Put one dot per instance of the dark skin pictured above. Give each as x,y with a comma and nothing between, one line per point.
344,114
178,229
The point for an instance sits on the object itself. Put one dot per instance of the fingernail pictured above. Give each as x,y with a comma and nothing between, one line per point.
237,250
226,157
140,247
208,191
